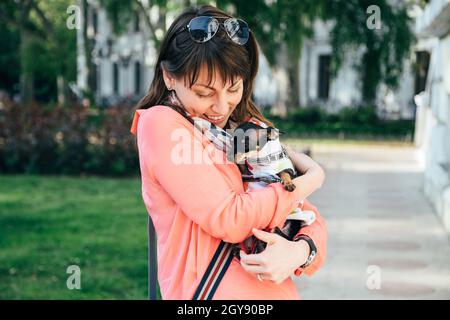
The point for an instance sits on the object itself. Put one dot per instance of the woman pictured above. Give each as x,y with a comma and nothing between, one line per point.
205,71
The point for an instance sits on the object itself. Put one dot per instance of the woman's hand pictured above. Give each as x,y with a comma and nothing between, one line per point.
278,261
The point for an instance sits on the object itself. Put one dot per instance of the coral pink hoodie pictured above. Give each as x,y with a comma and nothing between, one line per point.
194,205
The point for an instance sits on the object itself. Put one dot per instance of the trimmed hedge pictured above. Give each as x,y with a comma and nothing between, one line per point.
77,140
354,123
67,140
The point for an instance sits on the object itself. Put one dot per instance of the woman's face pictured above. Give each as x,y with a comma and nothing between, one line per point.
216,100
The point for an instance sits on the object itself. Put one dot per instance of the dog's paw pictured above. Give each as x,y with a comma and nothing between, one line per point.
288,185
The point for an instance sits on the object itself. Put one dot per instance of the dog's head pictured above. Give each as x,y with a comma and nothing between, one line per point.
249,138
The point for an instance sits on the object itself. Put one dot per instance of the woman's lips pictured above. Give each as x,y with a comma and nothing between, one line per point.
214,120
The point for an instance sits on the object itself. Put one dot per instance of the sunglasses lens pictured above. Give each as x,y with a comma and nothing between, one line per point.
238,30
203,28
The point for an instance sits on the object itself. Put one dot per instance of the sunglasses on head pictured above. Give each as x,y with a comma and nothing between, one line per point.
203,28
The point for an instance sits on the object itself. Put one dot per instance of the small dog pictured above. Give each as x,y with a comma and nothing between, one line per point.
262,159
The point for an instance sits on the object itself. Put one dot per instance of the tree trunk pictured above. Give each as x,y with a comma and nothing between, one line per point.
371,73
162,16
280,75
87,48
26,74
61,88
286,73
26,88
294,81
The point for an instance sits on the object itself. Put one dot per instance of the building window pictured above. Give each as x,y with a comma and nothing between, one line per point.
116,78
422,64
137,77
136,22
95,21
324,76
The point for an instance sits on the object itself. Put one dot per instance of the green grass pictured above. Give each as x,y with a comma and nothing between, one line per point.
49,223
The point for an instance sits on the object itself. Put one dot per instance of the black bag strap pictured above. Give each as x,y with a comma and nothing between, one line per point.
216,270
152,262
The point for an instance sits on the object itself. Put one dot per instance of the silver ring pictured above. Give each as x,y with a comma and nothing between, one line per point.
259,277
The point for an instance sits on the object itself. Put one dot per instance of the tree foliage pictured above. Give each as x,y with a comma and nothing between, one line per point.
279,24
43,46
384,49
38,43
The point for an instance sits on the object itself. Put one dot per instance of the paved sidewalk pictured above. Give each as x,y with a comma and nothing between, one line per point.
380,227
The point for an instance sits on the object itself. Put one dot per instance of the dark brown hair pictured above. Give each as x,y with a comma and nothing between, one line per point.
182,58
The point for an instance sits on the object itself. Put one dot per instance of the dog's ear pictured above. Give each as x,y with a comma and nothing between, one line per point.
273,133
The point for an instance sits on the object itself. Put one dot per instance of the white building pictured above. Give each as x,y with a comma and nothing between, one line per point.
433,113
123,67
318,88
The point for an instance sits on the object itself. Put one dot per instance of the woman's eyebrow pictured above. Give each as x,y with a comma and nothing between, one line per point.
204,85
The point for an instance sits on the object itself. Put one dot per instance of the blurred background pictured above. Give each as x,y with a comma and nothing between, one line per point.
363,85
